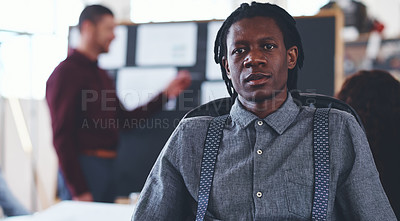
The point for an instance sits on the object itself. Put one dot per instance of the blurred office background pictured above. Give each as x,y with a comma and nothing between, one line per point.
34,38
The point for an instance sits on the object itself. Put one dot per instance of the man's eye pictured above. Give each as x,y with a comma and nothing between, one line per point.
238,51
269,46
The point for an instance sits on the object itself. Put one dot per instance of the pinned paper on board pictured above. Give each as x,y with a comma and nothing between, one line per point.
166,44
136,86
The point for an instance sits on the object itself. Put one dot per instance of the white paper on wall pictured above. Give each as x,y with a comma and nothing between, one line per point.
213,70
211,90
173,44
137,85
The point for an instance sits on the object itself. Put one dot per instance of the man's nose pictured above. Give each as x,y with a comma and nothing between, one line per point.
255,57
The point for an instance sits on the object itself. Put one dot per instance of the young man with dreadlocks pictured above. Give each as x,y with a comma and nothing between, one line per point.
264,168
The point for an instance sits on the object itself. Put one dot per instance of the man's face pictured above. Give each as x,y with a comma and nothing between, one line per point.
257,61
103,33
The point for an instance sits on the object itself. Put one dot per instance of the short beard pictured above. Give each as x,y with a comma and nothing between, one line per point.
261,99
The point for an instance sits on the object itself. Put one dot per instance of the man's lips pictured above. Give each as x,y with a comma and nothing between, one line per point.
257,79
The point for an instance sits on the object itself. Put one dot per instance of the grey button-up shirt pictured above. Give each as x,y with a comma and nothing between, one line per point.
264,170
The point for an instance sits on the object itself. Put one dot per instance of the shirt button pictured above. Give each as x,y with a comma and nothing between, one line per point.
259,194
260,123
259,152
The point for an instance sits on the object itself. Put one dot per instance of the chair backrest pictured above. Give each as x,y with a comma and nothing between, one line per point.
222,106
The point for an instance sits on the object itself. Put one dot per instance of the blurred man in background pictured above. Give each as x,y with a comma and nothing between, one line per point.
86,112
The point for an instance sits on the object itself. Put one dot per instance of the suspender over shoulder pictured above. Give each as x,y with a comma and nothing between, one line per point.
321,163
211,146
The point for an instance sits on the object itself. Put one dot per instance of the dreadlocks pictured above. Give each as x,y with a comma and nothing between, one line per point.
286,24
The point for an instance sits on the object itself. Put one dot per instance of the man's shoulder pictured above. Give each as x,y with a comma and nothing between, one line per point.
190,133
340,116
68,63
67,69
335,114
195,123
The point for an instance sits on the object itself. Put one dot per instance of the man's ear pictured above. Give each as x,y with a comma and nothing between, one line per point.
225,63
292,54
87,26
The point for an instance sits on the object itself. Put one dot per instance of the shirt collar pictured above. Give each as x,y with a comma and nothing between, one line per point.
279,120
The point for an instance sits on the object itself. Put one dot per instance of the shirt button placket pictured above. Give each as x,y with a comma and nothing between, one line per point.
260,123
259,152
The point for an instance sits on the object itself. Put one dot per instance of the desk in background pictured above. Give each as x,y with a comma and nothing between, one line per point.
80,211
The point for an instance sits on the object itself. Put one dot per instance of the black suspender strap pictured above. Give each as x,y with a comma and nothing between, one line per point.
321,164
211,146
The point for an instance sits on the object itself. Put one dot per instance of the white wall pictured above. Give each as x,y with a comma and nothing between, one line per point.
121,8
19,167
387,12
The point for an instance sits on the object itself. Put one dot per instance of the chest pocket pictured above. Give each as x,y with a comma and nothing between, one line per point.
299,189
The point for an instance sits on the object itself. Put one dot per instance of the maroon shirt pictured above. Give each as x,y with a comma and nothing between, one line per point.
86,114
